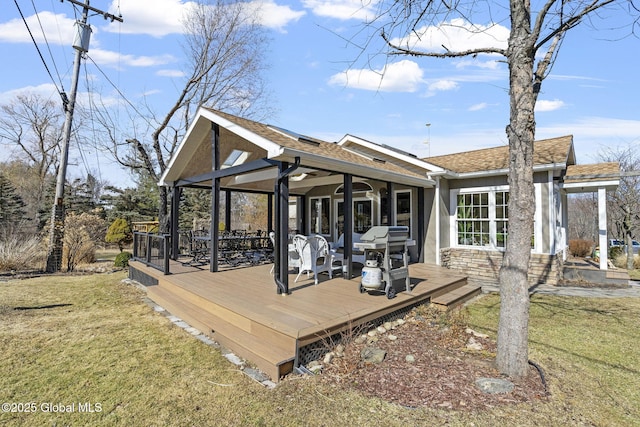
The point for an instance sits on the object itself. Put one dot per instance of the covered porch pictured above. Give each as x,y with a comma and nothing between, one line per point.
222,154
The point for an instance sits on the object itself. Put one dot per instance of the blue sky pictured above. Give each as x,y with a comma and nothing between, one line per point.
322,88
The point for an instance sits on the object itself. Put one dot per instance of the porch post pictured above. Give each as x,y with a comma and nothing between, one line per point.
175,212
215,198
602,227
348,224
391,207
281,261
227,210
270,212
420,231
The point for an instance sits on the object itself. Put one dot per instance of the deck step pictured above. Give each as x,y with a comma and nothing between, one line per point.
457,296
270,354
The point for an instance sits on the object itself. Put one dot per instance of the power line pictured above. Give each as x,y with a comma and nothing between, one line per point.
37,48
119,91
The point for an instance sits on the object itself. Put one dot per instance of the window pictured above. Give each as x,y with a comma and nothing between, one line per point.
482,218
320,209
356,187
502,218
403,208
473,219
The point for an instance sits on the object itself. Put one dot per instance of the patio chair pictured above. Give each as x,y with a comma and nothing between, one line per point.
294,258
315,256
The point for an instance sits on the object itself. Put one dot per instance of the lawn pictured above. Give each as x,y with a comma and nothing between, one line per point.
90,346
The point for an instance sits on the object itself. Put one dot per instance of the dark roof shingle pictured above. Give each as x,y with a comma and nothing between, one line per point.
546,151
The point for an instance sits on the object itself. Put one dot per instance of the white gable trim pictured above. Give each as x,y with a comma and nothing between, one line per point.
391,153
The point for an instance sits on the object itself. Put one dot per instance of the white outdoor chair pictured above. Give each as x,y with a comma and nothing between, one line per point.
294,258
315,256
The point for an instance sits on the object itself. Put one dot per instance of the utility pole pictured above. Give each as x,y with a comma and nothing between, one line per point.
81,45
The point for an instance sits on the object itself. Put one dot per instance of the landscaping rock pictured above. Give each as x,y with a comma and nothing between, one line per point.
494,385
328,357
472,344
372,355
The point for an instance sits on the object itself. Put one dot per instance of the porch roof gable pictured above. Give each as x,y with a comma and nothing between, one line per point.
283,145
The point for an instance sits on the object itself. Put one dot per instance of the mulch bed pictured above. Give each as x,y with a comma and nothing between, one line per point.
443,373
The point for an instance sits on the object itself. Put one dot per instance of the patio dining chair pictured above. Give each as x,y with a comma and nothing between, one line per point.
315,256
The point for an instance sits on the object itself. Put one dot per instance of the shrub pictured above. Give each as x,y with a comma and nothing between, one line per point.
122,259
79,244
20,252
580,248
119,232
615,252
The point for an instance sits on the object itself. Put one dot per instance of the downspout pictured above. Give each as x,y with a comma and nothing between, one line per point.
282,287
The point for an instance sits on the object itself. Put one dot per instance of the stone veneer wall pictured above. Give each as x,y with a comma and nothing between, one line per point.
483,266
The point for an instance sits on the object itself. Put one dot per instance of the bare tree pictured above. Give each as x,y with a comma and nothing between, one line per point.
534,39
31,127
583,217
625,201
224,48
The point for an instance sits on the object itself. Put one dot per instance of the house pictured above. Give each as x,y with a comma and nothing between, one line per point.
455,205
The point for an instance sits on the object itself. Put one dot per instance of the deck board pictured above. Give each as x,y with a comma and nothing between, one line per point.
245,300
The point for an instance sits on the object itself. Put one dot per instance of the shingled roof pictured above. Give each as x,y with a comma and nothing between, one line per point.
592,173
303,143
547,151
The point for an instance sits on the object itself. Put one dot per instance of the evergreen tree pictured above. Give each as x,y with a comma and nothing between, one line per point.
12,208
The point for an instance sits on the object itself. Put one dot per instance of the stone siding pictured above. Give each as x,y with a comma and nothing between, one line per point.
483,266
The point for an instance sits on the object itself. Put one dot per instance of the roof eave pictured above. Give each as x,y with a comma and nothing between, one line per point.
316,160
504,171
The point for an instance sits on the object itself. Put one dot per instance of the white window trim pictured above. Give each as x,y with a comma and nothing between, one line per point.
312,200
453,229
395,207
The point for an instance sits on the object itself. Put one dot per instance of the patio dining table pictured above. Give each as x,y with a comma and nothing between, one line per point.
233,249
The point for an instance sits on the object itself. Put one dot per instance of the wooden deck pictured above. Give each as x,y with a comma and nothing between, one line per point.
241,309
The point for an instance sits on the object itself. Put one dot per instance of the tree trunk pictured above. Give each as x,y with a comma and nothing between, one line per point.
163,215
628,239
513,327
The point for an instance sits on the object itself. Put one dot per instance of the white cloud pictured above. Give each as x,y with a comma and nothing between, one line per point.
153,17
478,107
403,76
456,35
442,85
111,58
487,65
58,28
159,18
593,135
543,105
275,16
47,91
170,73
342,9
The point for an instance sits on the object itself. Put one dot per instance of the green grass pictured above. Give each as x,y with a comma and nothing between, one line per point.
91,339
